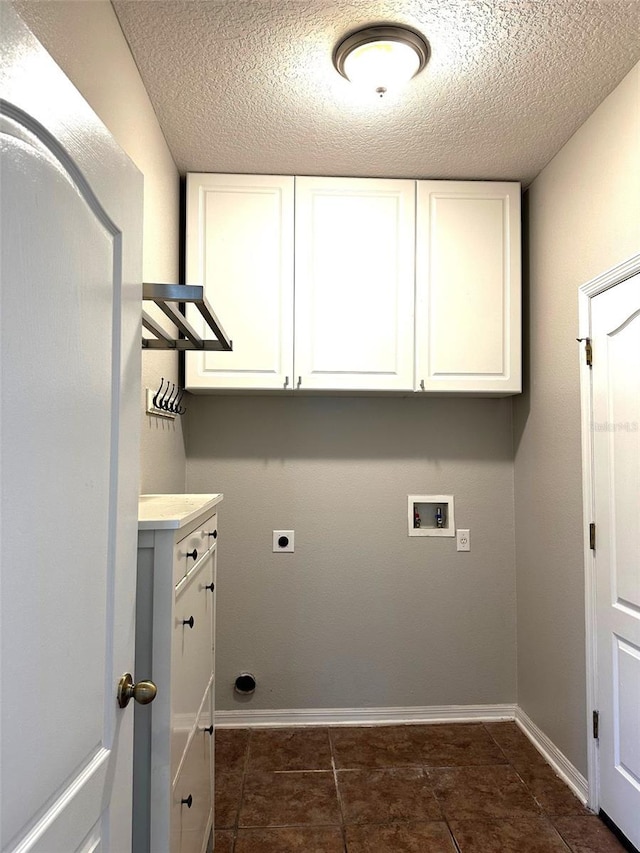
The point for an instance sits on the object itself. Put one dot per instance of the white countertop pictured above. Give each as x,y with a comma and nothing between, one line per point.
167,512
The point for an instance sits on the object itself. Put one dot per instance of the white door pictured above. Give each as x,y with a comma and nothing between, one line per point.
468,287
71,269
354,271
240,248
615,326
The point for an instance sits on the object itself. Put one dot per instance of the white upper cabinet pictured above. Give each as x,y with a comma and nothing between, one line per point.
388,285
468,272
239,245
354,284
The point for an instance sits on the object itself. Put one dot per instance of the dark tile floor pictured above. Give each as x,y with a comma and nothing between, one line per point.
459,788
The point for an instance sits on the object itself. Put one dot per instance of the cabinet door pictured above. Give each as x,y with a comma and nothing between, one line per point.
468,287
239,245
354,284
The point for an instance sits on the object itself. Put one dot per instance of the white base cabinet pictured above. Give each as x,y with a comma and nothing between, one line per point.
175,639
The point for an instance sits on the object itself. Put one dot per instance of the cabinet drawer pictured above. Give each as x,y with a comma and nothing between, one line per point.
193,785
184,725
190,550
192,644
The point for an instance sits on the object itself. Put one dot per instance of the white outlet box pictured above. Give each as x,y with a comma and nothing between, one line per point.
283,541
463,540
431,515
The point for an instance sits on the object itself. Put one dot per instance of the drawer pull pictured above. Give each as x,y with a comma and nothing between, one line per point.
188,622
208,729
187,801
213,533
193,554
210,586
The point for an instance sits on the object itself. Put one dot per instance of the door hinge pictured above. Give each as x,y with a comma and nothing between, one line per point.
592,536
588,350
596,724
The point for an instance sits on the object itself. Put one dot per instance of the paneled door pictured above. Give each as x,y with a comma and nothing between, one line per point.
615,325
239,246
71,285
354,271
468,300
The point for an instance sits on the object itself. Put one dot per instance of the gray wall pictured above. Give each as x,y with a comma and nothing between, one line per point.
86,41
584,217
361,615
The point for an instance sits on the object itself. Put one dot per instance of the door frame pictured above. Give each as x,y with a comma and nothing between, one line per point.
586,292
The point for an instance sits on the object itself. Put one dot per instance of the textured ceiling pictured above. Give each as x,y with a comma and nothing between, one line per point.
248,85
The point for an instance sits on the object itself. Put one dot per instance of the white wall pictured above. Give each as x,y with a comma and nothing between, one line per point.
360,615
584,217
86,41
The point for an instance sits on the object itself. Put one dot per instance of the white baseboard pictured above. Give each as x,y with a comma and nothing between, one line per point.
558,760
364,716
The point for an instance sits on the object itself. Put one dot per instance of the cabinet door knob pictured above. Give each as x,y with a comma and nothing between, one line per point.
213,533
188,622
208,729
299,381
143,692
210,586
422,384
193,554
187,801
286,381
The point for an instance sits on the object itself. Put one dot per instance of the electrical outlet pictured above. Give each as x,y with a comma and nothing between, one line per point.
283,541
463,541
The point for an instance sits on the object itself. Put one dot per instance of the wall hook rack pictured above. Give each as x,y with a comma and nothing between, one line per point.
166,402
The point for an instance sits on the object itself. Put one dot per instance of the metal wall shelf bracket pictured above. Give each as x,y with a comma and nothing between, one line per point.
167,297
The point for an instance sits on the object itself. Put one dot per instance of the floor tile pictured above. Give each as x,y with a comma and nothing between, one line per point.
227,792
380,746
224,841
587,835
515,744
456,745
553,795
289,749
466,793
530,834
400,838
289,799
230,748
292,839
385,796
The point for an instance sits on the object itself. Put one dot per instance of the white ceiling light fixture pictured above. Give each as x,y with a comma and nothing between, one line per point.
381,58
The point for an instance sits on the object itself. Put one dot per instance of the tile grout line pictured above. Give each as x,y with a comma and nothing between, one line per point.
543,810
425,772
343,828
245,769
445,819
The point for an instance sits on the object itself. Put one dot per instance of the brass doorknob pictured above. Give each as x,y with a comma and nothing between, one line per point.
143,692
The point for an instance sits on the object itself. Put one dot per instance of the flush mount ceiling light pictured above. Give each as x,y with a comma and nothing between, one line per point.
381,58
